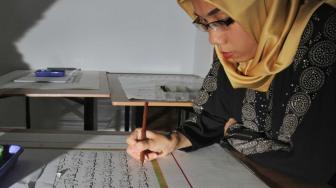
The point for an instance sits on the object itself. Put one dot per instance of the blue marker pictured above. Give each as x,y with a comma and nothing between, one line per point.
49,73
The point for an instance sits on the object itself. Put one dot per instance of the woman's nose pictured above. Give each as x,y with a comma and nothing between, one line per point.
216,37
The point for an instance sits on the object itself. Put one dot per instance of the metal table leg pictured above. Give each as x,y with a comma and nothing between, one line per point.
90,114
27,105
127,118
138,116
182,116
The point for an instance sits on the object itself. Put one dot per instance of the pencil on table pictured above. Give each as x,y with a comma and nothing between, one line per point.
143,130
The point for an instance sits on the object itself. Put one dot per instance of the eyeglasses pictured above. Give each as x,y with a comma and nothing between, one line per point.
216,25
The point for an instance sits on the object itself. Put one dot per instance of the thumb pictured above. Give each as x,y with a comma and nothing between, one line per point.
150,134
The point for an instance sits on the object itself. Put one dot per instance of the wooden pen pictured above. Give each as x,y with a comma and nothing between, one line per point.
143,131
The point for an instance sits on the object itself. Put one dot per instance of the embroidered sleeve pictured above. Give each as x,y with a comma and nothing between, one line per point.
206,125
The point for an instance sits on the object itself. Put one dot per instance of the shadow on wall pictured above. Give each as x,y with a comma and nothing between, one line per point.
16,18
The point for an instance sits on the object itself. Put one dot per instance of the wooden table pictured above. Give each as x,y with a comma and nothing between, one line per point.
83,96
119,98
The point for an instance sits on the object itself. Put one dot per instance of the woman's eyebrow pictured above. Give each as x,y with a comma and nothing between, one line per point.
210,13
213,12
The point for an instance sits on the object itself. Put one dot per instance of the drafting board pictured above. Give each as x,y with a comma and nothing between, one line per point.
93,159
149,86
88,80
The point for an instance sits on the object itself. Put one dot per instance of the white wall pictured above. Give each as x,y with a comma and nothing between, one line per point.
202,54
147,36
112,35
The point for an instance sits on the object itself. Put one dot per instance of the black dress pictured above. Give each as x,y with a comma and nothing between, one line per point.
292,126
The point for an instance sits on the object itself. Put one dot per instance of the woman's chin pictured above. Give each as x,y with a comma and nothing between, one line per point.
231,60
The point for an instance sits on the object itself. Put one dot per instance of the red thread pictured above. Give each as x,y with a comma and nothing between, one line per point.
182,170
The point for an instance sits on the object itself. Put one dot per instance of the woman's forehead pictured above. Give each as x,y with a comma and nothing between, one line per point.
205,9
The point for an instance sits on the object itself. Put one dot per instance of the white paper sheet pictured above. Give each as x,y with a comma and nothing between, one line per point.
85,168
214,167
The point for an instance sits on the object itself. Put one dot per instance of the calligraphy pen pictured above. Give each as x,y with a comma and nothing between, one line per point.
143,131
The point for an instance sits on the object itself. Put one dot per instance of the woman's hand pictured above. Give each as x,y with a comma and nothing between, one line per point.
156,145
230,122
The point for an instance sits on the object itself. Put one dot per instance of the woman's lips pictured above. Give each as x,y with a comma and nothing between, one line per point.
227,55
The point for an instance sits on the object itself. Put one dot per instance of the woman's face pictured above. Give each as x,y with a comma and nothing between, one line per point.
234,42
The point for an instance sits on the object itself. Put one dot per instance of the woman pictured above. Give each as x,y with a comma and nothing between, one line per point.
271,90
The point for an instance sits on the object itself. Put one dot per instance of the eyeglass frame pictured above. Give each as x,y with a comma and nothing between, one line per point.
212,25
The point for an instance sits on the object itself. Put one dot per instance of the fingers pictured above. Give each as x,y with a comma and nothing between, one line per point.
136,155
136,135
155,145
230,122
133,137
151,156
133,153
151,135
145,145
162,154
